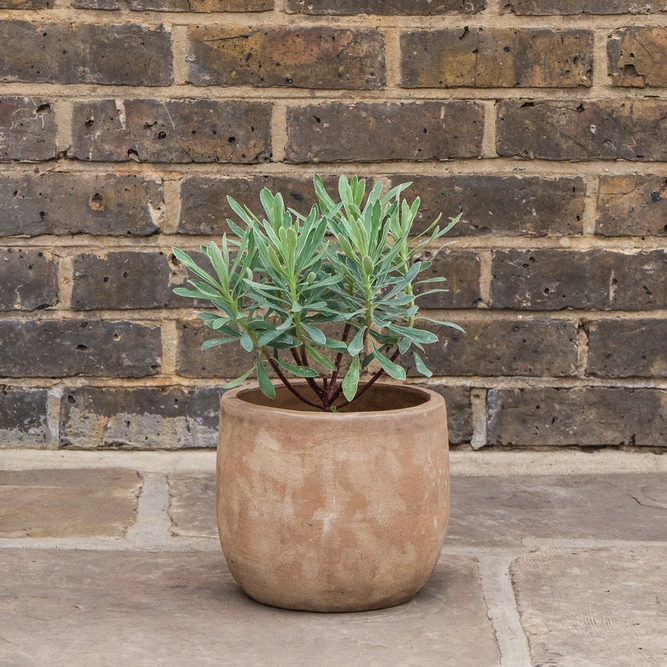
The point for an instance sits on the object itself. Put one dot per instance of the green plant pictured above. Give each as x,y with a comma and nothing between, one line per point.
343,264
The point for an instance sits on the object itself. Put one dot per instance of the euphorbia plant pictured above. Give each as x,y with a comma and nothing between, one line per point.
285,279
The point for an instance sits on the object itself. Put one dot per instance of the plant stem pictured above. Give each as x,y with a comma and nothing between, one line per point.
339,361
368,384
287,383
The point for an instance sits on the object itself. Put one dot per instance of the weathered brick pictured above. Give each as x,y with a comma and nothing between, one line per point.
143,418
546,7
67,52
299,57
61,348
587,416
491,347
59,203
368,132
632,205
127,279
23,417
26,4
173,131
177,5
505,205
27,129
398,7
28,280
459,412
627,348
638,57
461,268
573,130
496,58
204,206
225,361
549,279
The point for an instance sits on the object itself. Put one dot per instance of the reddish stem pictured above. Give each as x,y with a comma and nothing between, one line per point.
368,384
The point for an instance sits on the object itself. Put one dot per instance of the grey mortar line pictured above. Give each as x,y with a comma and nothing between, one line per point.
482,464
502,610
152,525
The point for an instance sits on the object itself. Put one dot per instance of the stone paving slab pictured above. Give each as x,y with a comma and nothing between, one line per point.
68,503
497,511
502,511
604,607
177,609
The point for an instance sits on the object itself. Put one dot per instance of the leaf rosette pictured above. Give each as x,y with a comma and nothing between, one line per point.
284,283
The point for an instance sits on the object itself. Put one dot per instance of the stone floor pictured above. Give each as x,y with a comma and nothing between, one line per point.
552,560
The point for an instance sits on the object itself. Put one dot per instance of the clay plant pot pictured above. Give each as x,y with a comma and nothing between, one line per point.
338,511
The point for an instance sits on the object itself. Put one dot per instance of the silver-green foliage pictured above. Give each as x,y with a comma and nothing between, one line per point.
286,278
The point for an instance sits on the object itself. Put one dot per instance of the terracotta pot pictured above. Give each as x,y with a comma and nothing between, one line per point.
333,511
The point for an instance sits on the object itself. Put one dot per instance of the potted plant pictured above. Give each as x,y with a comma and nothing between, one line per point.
332,488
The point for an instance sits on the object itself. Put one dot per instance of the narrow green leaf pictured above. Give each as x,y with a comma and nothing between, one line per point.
299,371
237,382
404,345
421,366
419,335
444,324
267,337
320,359
316,335
337,345
246,342
357,343
181,291
214,342
389,367
265,383
351,380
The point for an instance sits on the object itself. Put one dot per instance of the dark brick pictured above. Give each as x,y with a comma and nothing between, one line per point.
128,280
587,416
368,132
398,7
459,412
627,348
204,207
632,205
143,418
546,7
23,418
26,4
173,131
177,5
491,347
225,361
61,348
574,130
27,129
67,52
461,268
28,280
555,279
53,203
495,58
300,57
504,205
636,57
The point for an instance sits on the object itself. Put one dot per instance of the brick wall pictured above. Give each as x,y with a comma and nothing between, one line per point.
124,123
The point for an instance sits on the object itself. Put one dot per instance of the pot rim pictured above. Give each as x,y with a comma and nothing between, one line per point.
434,401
